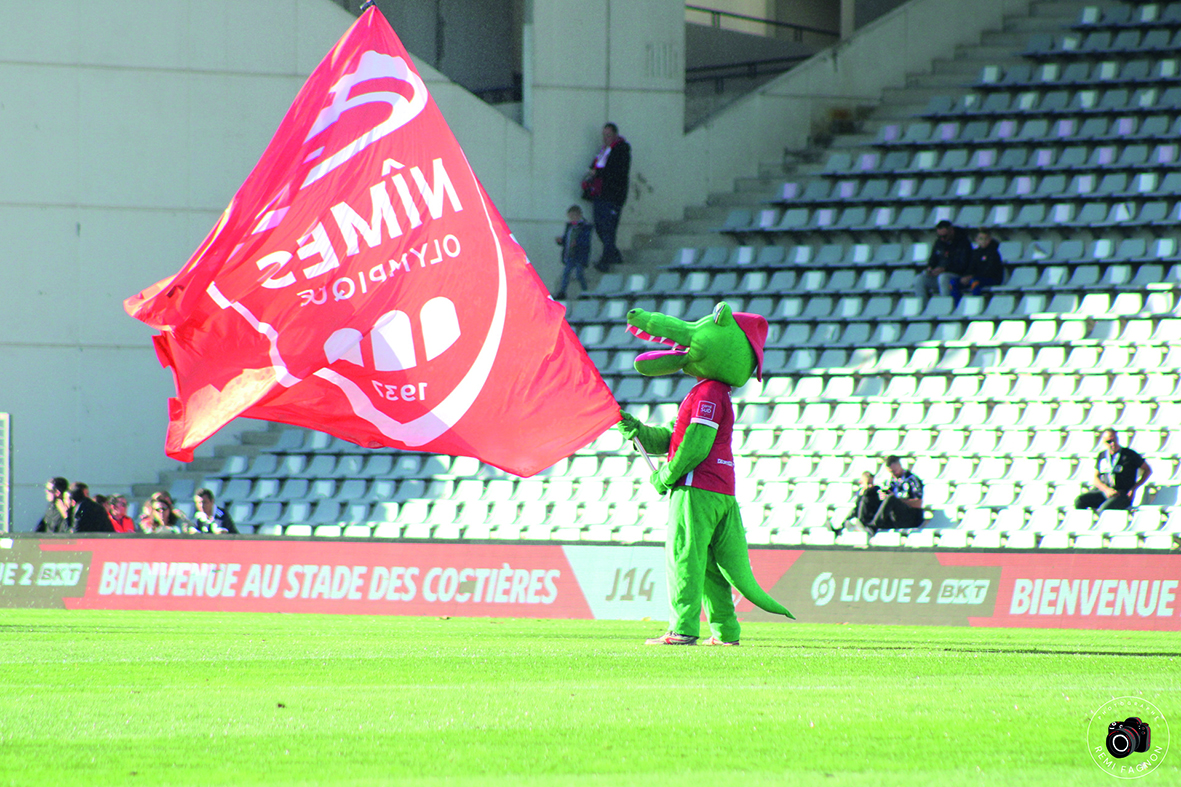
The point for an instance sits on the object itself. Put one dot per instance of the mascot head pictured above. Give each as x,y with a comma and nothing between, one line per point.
725,346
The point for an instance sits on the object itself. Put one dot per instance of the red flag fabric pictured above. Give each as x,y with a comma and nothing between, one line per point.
362,283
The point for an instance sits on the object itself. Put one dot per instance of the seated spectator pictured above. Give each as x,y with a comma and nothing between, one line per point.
211,518
162,516
948,261
985,267
86,515
1115,477
902,503
116,507
56,518
867,502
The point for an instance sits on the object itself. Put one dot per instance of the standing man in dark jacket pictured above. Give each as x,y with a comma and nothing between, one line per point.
985,267
949,261
1116,483
87,515
608,176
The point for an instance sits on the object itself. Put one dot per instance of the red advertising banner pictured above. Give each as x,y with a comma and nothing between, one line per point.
1109,590
509,580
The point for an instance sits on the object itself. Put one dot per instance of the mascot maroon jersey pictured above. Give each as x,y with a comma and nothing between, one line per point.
708,404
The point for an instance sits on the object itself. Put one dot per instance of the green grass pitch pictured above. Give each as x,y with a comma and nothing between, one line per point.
122,698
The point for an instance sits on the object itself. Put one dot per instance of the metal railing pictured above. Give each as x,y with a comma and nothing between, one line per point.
749,69
716,16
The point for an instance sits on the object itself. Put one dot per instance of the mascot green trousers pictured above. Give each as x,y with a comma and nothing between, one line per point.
705,548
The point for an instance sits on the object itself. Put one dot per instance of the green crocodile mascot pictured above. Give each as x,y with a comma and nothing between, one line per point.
705,549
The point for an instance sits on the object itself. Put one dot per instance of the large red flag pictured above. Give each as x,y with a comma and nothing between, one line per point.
362,283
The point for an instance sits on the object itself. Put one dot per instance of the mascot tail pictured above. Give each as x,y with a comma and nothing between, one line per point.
740,576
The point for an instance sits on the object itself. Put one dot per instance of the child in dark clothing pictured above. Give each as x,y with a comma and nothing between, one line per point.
866,505
575,243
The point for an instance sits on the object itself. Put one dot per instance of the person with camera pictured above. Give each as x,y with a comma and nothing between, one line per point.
1116,483
901,501
605,185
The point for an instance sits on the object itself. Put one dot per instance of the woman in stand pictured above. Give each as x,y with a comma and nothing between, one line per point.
162,516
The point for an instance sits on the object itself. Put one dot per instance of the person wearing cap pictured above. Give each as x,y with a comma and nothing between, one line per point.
705,549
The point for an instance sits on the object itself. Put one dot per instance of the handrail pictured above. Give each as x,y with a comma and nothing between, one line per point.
716,21
745,69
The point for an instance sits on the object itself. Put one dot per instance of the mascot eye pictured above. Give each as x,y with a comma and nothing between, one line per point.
718,313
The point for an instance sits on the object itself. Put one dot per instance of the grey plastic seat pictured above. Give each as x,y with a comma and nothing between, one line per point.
839,162
1030,215
933,188
917,133
1050,186
1113,183
1013,158
1017,74
1092,213
1093,127
895,161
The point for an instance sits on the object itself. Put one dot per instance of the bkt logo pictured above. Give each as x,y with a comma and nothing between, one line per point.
963,591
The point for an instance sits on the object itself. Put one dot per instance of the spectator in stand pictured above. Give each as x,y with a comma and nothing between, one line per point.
576,244
162,516
901,502
985,267
948,261
606,184
56,518
1115,477
116,507
867,502
86,515
211,518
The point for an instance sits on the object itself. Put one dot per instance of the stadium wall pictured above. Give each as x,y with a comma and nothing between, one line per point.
1084,590
130,125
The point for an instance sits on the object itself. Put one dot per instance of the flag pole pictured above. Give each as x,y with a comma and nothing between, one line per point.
636,442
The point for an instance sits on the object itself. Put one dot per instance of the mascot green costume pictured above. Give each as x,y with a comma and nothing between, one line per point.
706,544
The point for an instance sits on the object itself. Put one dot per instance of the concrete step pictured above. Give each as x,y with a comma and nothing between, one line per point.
1010,40
736,199
671,241
222,451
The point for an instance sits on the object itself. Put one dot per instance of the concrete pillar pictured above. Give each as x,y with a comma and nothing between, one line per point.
848,14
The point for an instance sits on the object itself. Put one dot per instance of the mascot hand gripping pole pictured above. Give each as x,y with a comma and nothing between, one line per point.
705,549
